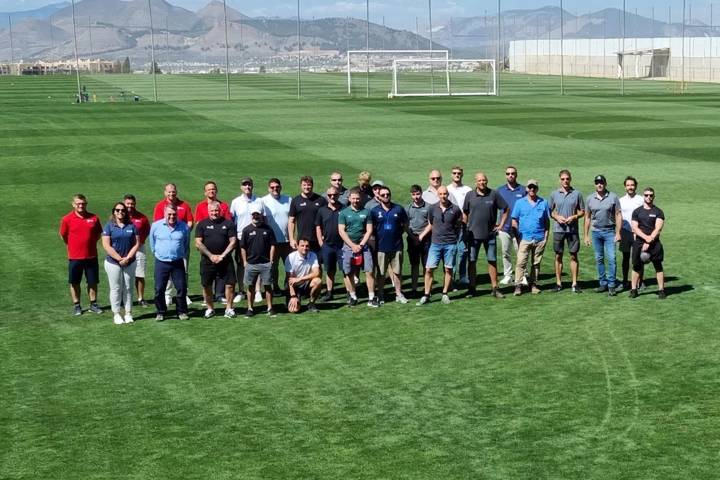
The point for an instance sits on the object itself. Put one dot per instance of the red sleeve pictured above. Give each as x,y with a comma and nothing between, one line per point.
198,213
64,229
159,211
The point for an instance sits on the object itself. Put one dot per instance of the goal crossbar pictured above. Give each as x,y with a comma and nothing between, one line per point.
368,53
446,62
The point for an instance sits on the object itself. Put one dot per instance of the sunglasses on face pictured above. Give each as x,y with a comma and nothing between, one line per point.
457,173
336,179
332,195
599,183
435,178
247,184
384,195
274,187
119,210
650,195
532,187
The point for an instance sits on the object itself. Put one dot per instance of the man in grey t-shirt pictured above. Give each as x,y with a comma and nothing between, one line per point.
566,207
604,215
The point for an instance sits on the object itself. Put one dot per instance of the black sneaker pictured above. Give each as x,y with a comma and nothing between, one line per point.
496,293
557,288
95,308
352,302
144,304
312,308
77,310
270,312
634,293
326,297
374,303
576,289
661,295
601,289
611,292
471,292
249,313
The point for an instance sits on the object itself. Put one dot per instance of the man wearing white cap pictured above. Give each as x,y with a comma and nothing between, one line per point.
240,211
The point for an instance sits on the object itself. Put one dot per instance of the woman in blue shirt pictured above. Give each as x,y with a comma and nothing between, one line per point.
121,240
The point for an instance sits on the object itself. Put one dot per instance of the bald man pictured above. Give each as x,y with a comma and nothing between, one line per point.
430,195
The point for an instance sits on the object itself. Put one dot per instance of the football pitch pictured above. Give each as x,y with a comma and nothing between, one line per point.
548,386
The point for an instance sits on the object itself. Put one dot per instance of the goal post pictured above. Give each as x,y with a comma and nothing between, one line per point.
413,77
367,61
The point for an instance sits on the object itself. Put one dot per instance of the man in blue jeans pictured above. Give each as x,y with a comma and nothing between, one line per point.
604,214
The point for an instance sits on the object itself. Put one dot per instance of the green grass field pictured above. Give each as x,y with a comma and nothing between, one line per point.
538,387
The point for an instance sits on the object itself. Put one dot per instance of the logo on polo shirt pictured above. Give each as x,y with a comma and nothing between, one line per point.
303,204
264,233
652,215
224,227
210,227
90,220
253,233
317,204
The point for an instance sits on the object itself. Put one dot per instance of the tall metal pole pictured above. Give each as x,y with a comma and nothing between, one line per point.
367,48
227,55
77,60
90,35
711,43
432,73
562,54
12,52
383,35
682,74
152,52
167,41
417,34
242,47
499,46
299,88
622,53
52,34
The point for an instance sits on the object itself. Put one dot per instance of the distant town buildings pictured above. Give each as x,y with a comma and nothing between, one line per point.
41,67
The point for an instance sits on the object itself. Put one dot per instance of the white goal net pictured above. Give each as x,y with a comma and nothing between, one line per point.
372,69
414,77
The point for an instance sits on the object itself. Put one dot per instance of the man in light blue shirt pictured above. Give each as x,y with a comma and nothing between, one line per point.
531,217
170,242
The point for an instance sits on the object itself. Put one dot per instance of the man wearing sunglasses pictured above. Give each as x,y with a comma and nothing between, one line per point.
326,232
531,217
430,195
277,211
647,223
604,214
458,191
511,191
336,180
567,205
240,210
389,223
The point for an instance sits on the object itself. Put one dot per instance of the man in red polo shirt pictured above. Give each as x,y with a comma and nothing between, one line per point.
201,209
142,225
81,230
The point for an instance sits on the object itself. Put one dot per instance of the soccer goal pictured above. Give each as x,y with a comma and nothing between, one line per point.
435,77
362,64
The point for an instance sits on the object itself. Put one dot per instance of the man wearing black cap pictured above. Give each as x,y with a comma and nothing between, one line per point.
257,248
604,214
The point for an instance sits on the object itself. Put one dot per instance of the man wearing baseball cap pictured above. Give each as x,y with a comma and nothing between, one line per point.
375,201
604,214
240,211
257,249
531,218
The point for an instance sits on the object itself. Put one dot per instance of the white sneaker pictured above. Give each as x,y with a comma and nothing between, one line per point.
117,319
445,299
229,313
209,313
258,297
506,280
129,318
238,298
168,300
401,298
524,281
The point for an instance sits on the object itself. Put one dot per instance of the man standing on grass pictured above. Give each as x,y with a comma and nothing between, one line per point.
647,223
375,200
201,213
511,191
355,228
215,237
142,225
389,223
81,230
531,218
336,180
458,191
303,277
303,210
277,210
240,211
170,243
430,195
604,214
444,220
331,244
257,248
418,242
628,204
480,215
566,207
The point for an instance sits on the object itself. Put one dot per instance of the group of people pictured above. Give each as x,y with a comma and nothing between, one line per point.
354,230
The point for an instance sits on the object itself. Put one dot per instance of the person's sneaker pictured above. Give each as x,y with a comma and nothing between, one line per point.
312,308
258,297
183,316
223,300
144,304
95,308
381,301
249,313
535,290
633,293
425,299
117,319
601,289
576,289
77,310
230,313
445,299
209,313
642,286
557,288
129,318
612,292
518,291
661,295
401,299
159,317
326,297
238,298
619,288
471,292
374,303
271,312
496,293
506,280
352,302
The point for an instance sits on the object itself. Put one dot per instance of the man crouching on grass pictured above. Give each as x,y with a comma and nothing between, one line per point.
303,277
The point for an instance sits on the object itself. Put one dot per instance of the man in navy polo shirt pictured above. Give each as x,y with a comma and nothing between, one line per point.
531,217
566,207
389,222
326,232
511,191
604,215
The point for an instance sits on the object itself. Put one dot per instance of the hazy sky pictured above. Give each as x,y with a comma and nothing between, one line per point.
402,13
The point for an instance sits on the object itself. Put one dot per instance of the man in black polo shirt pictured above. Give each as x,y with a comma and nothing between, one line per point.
257,249
326,232
215,237
480,214
647,223
303,210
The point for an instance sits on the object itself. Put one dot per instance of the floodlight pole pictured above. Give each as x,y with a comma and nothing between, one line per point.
90,35
12,53
299,91
367,48
152,52
417,34
682,73
77,61
432,73
562,51
622,53
52,35
227,55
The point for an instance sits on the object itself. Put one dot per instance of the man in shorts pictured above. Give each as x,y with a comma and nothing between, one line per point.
444,220
355,228
257,249
418,243
210,191
240,211
628,204
326,232
604,215
142,225
389,222
647,223
430,195
480,215
303,277
215,237
566,207
81,230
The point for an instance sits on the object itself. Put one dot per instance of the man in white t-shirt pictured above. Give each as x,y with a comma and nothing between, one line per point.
240,211
277,208
628,204
457,192
302,272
